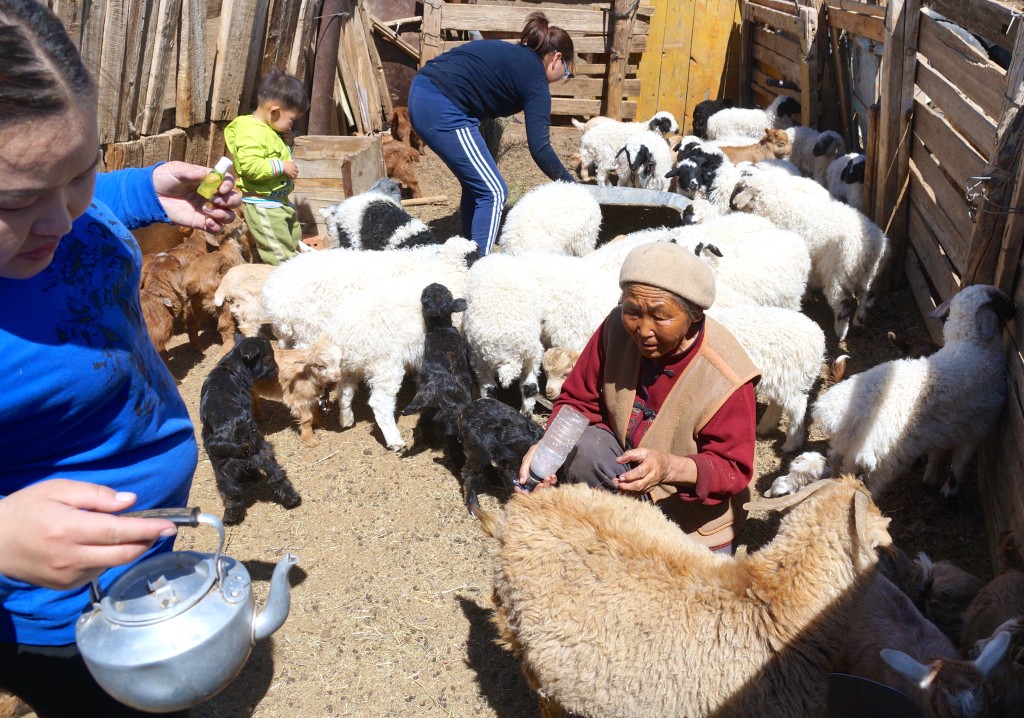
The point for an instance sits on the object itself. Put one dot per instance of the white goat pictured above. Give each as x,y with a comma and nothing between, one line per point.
881,420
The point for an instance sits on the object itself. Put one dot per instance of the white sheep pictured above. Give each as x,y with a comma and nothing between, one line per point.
644,161
670,628
369,306
827,148
893,644
847,249
881,420
559,217
844,179
788,348
744,122
600,144
241,289
374,220
813,151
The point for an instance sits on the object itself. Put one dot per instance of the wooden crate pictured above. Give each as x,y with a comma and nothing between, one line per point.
330,170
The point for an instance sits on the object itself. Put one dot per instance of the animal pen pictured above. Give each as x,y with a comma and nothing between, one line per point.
939,121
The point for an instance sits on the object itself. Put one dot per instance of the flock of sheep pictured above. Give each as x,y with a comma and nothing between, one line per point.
672,629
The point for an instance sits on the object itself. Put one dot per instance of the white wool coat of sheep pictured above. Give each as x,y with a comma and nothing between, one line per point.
659,153
374,220
557,217
881,420
847,249
788,347
751,122
615,613
241,290
851,193
600,144
368,304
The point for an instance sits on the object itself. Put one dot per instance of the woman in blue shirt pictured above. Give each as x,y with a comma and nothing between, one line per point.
91,422
483,80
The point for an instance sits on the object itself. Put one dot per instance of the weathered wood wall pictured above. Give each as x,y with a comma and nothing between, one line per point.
945,142
692,55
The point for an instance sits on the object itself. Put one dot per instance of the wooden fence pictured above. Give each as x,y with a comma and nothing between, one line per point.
944,144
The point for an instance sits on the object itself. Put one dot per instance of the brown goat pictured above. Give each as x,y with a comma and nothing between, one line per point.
159,313
303,375
400,164
200,280
773,146
401,129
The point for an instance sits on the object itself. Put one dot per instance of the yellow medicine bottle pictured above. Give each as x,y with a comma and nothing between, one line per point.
208,187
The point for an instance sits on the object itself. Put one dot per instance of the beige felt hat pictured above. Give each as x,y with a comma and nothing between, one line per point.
675,269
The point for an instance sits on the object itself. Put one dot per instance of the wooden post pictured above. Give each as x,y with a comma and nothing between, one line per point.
870,168
431,44
839,61
152,109
896,89
237,20
282,27
622,31
746,58
809,67
325,67
377,66
996,242
191,87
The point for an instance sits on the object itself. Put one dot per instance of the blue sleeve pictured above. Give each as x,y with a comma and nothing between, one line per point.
537,110
130,196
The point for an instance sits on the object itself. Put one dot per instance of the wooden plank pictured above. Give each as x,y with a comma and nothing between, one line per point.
922,200
871,168
369,95
772,18
323,97
809,70
790,69
922,292
1010,249
934,262
348,72
299,63
857,7
588,108
366,32
431,43
969,119
90,45
156,148
218,148
71,14
653,63
947,198
987,18
1001,468
971,72
191,82
784,45
178,141
282,28
621,32
111,70
138,61
152,107
958,159
382,29
229,73
709,63
592,87
867,26
197,146
254,59
588,44
496,18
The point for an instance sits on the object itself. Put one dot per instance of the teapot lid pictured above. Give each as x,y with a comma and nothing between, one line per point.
160,587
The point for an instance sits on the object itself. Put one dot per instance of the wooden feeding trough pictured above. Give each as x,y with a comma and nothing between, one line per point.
624,209
330,170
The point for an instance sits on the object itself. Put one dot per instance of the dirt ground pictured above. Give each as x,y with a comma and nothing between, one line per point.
389,611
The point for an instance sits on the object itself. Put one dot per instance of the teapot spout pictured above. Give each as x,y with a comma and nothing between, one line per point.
278,600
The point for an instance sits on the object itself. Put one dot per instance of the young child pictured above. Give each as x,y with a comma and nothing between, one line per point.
265,168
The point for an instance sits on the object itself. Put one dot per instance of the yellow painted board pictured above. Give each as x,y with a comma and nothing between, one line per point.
715,52
669,62
649,71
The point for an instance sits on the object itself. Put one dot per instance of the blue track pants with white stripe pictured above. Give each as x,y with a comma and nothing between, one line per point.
456,139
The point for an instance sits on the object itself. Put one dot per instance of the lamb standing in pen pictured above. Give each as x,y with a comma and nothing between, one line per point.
847,249
672,629
743,122
644,161
601,143
881,420
241,290
558,217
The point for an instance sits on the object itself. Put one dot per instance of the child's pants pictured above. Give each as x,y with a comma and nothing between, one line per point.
456,138
276,230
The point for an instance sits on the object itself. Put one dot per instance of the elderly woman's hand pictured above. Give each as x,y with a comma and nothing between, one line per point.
524,475
175,184
651,468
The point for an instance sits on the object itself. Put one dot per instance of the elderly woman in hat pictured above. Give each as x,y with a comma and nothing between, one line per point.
669,393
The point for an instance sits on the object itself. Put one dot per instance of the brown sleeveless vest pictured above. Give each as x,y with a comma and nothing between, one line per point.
720,367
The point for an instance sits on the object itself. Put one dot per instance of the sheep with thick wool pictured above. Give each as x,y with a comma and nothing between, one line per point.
881,420
374,220
644,161
601,143
847,249
813,150
241,290
558,217
844,179
374,317
673,629
751,122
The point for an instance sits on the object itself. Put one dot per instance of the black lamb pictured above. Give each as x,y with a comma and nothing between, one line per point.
444,385
238,452
493,435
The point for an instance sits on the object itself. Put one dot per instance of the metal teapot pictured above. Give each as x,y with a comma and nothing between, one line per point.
177,628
